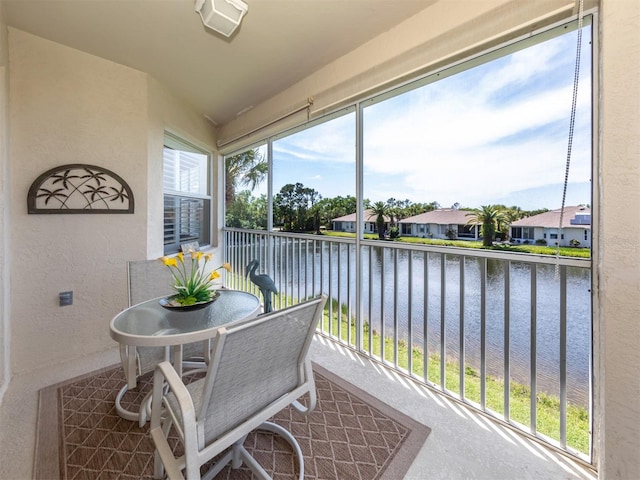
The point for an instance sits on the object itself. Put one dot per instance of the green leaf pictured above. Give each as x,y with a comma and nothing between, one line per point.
186,301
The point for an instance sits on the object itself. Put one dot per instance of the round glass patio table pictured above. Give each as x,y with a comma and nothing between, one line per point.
148,324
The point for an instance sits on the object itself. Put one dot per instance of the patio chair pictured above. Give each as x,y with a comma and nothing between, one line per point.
258,367
148,279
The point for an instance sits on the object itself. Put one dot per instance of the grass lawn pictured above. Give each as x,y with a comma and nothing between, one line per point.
547,406
534,249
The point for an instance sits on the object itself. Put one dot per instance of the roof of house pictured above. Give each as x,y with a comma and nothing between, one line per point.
442,216
574,217
368,217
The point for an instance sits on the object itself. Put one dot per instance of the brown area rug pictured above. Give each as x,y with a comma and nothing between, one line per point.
350,434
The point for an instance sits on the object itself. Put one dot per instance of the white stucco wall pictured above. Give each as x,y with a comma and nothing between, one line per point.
70,107
4,214
617,240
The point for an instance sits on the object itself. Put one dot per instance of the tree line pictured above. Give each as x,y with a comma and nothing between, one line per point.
297,208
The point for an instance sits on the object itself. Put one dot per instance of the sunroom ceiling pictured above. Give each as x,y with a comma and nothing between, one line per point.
278,43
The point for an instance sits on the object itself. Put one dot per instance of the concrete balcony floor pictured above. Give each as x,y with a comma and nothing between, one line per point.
462,444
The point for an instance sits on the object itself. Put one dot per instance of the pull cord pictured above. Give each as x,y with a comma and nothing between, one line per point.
572,121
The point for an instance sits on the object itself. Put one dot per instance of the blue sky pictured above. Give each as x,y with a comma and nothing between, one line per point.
496,133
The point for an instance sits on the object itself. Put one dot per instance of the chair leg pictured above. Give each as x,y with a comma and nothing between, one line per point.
220,464
163,453
141,415
251,462
158,466
237,454
145,405
123,412
145,409
290,439
164,461
236,458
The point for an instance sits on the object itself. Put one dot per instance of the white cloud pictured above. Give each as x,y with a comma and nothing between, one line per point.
485,133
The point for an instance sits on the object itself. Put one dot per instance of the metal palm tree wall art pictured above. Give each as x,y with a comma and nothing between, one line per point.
79,188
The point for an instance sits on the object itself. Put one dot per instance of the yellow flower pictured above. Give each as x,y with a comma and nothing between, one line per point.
169,261
191,282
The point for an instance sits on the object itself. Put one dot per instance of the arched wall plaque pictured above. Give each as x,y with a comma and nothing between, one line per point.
79,188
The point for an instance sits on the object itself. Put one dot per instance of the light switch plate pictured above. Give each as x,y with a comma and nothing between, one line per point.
66,298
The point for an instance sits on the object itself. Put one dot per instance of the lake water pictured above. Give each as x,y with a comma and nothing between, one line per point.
390,299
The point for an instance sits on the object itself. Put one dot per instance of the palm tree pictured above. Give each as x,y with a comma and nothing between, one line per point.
491,217
379,210
248,169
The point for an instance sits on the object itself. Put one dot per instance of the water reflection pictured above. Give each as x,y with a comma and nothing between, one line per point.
404,284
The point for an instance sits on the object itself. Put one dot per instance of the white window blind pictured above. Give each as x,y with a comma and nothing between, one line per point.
187,196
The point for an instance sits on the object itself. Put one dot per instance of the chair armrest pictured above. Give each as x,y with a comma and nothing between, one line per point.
165,372
308,372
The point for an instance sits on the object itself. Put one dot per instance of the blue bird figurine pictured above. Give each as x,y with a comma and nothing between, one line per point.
264,283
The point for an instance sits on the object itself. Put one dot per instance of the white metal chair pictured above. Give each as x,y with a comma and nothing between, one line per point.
149,279
258,367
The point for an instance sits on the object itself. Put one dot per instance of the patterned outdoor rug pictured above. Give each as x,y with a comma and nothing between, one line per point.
350,434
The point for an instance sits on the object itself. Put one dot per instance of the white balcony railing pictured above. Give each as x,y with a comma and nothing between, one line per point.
514,329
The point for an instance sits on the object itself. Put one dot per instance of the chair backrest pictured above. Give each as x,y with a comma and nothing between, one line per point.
255,363
148,279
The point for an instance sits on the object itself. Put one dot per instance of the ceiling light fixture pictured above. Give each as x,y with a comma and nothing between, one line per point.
223,16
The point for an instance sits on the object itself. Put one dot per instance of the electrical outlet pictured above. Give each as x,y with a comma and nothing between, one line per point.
66,298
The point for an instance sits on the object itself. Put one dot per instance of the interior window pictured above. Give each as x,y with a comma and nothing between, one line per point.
187,194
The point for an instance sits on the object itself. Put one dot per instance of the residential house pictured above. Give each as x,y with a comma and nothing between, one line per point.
348,223
545,228
102,82
443,223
